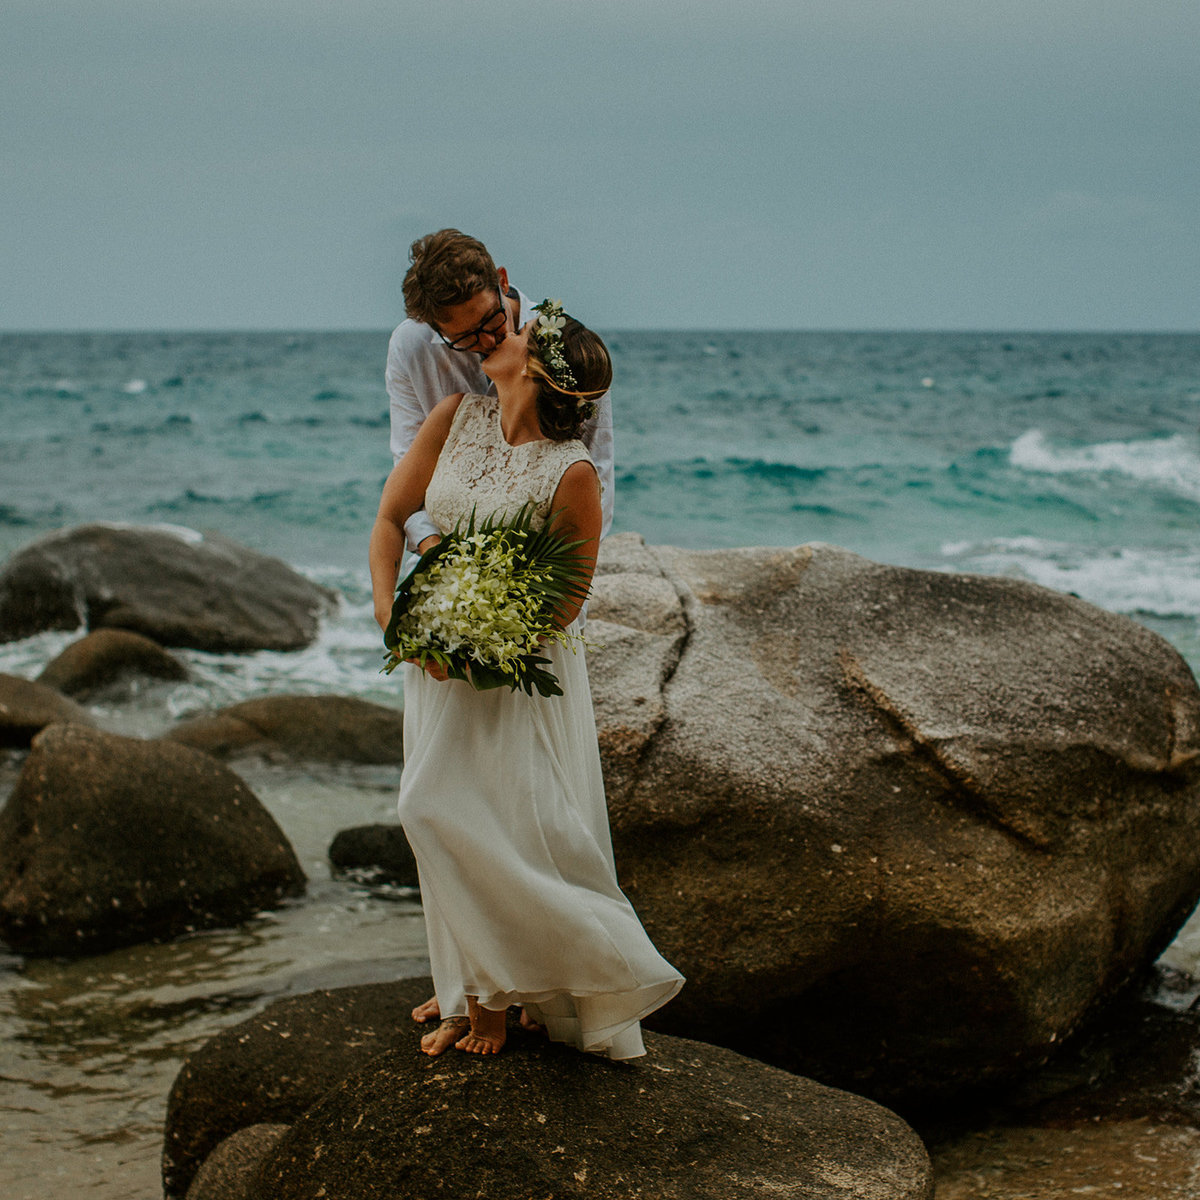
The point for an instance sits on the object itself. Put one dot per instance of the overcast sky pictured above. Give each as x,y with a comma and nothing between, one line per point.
814,164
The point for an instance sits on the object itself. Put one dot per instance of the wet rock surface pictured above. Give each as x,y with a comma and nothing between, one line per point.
316,728
174,586
1116,1113
109,657
1133,1160
107,841
27,707
380,851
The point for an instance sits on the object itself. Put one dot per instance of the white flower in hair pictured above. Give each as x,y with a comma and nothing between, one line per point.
547,335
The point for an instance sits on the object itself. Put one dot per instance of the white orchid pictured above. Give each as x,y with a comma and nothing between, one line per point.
487,600
547,336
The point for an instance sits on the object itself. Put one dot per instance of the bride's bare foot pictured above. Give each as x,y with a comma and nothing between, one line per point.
528,1023
447,1034
488,1031
429,1011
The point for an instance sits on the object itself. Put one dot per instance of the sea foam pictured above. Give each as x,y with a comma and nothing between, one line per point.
1172,462
1162,582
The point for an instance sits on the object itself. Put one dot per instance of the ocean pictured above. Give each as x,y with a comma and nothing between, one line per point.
1069,459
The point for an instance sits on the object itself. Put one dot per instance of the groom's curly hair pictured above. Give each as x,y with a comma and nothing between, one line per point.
448,267
563,414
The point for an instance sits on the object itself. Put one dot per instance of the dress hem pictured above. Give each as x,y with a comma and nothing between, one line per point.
569,1029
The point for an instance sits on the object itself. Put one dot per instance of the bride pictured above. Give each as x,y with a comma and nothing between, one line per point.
502,797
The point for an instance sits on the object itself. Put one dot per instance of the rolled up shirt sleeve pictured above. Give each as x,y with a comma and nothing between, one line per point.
406,416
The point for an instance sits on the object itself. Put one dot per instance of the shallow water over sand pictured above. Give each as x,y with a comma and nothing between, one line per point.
89,1048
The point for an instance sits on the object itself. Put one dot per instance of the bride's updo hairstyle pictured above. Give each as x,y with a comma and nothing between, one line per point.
563,409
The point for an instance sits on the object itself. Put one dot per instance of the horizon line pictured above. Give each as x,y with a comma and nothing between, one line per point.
162,331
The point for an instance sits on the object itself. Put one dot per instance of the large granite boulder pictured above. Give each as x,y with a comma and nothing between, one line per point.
106,659
318,728
173,585
106,841
902,831
687,1121
27,707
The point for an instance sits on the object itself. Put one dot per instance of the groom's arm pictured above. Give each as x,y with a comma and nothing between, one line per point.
407,416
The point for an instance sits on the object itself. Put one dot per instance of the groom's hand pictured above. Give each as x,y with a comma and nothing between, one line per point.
425,543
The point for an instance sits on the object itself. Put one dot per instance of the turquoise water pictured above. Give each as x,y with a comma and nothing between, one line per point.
1072,460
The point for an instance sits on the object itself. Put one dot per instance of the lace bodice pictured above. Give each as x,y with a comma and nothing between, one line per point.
478,469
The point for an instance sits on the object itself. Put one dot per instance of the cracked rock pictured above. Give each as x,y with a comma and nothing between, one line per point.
902,830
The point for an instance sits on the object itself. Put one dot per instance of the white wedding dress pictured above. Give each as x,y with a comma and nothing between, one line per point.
502,800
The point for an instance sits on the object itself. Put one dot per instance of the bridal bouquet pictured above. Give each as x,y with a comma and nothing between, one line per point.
483,601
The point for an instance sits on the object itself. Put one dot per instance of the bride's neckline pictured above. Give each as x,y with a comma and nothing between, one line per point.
533,441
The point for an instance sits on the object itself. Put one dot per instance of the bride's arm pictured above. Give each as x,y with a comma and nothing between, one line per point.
577,517
403,494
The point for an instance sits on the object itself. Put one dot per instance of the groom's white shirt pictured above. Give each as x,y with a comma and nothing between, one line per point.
422,369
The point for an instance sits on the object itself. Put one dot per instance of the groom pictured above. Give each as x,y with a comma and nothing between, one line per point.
459,308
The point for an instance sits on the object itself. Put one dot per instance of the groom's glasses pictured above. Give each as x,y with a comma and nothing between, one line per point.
491,326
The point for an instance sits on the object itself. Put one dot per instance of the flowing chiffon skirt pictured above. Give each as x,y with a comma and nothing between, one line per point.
502,800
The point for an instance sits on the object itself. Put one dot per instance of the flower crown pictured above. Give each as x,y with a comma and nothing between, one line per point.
547,336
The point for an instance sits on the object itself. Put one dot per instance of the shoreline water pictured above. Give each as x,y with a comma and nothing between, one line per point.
1072,461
